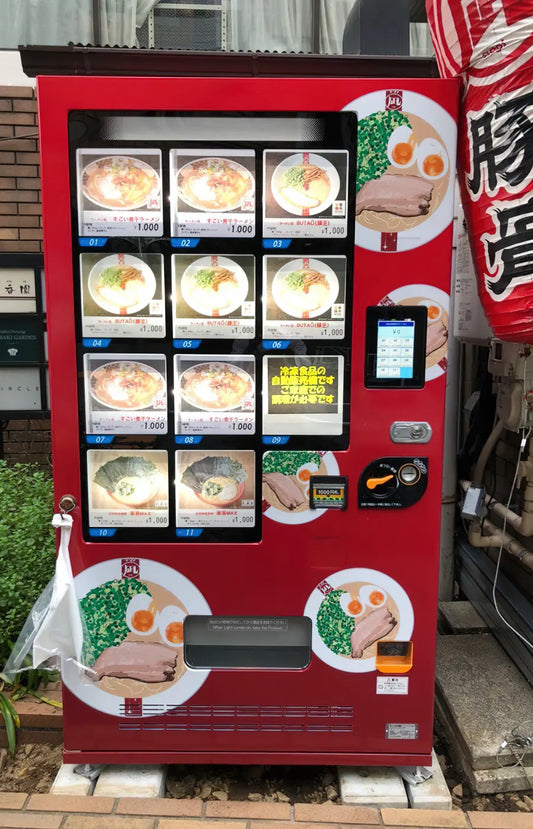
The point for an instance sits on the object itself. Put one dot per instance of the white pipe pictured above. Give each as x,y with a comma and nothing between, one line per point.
522,524
484,455
497,538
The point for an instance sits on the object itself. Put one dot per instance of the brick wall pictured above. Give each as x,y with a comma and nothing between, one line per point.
21,232
20,193
27,441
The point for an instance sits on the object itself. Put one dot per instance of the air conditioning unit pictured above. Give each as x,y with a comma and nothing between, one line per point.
199,26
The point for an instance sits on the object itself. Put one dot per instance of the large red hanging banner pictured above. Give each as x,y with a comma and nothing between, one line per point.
489,43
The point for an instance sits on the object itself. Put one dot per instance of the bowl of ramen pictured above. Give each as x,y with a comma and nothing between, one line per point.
121,284
132,481
218,387
305,288
305,185
126,385
217,481
119,182
214,290
214,185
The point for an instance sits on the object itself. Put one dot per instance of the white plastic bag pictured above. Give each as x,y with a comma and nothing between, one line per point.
53,629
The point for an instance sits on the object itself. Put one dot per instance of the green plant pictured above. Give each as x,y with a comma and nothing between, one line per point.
27,683
27,545
11,721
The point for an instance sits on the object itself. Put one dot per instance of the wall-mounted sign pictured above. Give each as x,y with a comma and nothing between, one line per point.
23,359
17,291
20,389
20,339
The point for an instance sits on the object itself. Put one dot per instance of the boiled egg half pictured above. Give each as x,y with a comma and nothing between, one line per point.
432,159
402,147
351,604
304,474
434,309
142,614
171,625
372,596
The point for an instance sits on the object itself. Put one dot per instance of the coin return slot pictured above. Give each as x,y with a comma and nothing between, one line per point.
254,642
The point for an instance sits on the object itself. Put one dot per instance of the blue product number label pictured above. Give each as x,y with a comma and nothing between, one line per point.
92,241
276,244
275,440
183,242
89,342
276,345
102,532
187,343
100,439
188,440
189,533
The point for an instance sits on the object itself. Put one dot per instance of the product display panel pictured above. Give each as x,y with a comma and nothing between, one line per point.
213,262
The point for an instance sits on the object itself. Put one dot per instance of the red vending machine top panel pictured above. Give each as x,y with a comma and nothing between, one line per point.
248,293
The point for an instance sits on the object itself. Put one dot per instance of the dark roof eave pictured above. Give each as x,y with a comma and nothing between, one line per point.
122,61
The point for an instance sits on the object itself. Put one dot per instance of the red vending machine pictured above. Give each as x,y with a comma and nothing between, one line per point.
248,318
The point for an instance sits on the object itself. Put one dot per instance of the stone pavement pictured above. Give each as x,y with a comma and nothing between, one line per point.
45,811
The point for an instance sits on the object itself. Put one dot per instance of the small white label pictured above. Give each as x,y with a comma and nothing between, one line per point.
392,685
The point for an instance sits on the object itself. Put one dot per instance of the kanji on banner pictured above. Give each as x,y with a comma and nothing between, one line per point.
489,43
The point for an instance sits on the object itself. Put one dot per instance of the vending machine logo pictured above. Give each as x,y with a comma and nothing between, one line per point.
393,99
130,568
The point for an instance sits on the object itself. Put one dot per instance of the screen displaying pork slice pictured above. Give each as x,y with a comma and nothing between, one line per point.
375,626
146,661
288,492
437,335
400,195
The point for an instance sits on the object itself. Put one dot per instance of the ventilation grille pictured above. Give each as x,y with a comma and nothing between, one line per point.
281,719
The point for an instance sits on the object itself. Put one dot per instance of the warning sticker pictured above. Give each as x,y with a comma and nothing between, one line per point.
392,685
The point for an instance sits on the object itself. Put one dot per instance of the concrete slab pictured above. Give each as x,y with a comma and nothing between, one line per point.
460,618
372,786
67,782
131,781
482,695
483,781
432,793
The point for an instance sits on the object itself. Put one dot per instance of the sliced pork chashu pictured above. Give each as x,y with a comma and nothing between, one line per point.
145,661
376,625
396,194
287,491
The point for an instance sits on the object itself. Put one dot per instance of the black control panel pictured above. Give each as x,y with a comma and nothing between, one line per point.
392,483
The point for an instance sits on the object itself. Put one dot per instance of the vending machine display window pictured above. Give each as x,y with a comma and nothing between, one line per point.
213,262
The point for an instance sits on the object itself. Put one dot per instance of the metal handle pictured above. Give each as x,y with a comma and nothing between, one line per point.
67,503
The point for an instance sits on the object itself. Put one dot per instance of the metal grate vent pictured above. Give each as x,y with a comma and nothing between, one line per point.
287,719
175,24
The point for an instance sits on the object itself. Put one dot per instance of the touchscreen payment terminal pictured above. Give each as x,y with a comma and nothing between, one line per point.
395,350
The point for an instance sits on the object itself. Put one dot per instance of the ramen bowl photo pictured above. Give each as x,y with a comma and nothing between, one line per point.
216,480
119,182
214,184
121,284
305,288
131,481
126,385
305,184
216,387
221,491
214,290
